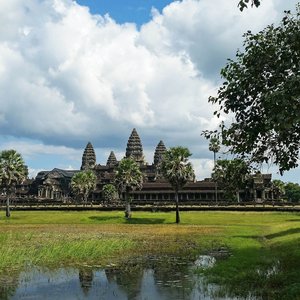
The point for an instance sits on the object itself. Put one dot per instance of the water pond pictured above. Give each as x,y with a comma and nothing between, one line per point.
159,278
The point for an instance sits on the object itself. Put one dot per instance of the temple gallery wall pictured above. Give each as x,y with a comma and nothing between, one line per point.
55,184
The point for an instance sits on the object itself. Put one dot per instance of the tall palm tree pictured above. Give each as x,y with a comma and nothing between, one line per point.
128,178
176,168
12,172
82,183
214,146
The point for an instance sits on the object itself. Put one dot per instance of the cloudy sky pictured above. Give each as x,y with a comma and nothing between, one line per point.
91,70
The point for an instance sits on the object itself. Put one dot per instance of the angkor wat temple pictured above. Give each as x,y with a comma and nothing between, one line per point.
55,184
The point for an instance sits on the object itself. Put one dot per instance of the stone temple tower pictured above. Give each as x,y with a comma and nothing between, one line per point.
134,148
112,160
159,152
88,157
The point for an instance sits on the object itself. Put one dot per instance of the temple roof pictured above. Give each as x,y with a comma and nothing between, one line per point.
159,152
112,160
88,157
134,147
62,173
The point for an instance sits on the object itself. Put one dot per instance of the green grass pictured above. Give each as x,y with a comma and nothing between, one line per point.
257,242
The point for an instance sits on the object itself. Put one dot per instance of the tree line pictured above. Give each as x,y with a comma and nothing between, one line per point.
174,167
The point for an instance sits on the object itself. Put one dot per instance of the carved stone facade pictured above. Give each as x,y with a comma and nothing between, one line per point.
55,184
112,160
88,158
159,152
134,148
260,187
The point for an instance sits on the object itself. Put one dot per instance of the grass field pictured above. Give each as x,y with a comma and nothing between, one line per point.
264,247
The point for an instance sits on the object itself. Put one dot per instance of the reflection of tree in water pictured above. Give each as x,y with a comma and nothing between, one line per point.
174,274
171,274
86,279
128,277
8,285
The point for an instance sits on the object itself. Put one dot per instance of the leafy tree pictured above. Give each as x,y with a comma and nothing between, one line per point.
278,188
292,192
128,178
176,168
12,172
231,176
244,3
262,90
109,193
82,183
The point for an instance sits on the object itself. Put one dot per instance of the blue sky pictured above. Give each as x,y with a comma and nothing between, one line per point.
134,11
91,70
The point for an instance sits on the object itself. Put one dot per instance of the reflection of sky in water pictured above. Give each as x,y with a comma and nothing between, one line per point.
144,284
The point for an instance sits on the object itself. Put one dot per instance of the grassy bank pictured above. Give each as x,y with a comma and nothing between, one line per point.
264,247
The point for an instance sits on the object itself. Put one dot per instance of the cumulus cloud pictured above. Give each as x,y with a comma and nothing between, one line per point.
207,32
67,76
28,149
39,156
202,167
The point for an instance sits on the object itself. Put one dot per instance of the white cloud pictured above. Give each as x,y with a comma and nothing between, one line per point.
33,172
202,167
67,76
208,32
29,149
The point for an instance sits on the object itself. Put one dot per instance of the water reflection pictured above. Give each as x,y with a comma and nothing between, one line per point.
155,278
8,285
86,277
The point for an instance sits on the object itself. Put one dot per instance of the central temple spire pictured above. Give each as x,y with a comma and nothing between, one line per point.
134,148
88,157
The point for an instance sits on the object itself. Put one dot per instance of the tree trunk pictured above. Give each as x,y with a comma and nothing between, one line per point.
127,206
7,212
85,197
177,207
216,192
238,196
216,185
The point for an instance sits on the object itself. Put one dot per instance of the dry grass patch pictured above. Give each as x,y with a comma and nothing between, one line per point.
67,244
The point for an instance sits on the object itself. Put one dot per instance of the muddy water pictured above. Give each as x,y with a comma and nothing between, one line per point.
161,278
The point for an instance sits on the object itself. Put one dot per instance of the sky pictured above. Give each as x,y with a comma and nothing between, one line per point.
92,70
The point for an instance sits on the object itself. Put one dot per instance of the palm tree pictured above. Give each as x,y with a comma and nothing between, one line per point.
177,170
214,146
12,172
82,183
109,193
128,178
